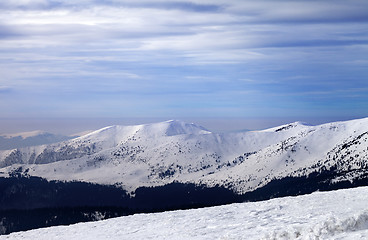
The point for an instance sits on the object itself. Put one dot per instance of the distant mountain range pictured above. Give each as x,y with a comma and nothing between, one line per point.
27,139
174,164
161,153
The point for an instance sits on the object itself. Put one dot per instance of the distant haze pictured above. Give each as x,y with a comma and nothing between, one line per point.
68,126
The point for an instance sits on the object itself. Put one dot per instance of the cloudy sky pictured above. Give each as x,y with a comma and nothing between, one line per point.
182,59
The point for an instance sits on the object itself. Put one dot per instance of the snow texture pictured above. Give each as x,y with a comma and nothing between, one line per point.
341,214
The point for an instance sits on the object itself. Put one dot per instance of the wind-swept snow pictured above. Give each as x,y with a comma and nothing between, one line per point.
341,214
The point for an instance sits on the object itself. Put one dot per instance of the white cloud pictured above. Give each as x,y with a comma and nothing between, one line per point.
143,47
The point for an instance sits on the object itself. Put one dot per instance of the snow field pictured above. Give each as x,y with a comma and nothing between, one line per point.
341,214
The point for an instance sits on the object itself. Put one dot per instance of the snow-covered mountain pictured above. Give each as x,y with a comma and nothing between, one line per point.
27,139
174,151
341,214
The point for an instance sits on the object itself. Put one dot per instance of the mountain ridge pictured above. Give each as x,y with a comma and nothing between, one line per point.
160,153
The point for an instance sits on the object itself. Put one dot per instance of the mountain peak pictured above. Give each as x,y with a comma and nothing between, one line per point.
117,133
175,127
293,125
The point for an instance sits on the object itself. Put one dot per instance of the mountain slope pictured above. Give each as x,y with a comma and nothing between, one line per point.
161,153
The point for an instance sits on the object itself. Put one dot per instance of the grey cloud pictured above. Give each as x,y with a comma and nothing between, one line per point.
314,43
27,5
5,89
54,4
7,32
264,11
185,6
297,12
77,32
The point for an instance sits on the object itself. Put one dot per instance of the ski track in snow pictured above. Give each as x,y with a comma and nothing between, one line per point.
341,214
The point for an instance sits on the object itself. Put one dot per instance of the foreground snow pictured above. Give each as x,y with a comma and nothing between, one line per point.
341,214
